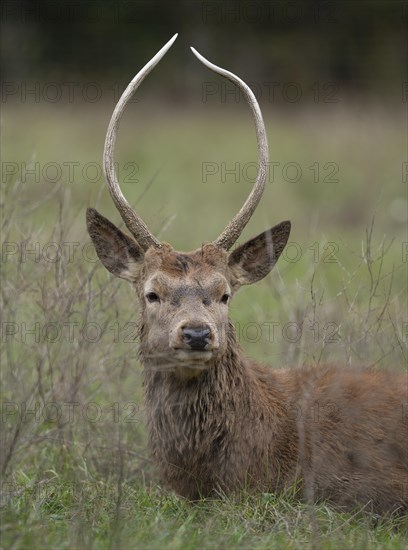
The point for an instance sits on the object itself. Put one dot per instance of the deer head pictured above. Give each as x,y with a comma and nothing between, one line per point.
184,296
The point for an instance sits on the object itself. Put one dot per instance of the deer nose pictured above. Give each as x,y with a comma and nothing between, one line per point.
196,338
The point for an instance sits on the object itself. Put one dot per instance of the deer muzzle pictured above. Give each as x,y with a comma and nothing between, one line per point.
197,338
194,341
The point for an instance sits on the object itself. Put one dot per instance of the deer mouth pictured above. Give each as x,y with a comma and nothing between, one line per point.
192,363
195,358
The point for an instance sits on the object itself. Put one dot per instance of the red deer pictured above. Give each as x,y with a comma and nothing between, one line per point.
217,420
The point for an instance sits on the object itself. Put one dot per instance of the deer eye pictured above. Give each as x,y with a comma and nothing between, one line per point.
225,298
152,297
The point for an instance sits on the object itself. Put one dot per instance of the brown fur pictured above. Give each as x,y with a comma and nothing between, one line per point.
219,421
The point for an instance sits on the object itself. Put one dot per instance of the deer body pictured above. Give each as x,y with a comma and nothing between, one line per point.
218,421
328,432
337,444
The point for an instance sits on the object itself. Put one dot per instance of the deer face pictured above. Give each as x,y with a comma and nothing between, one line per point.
185,296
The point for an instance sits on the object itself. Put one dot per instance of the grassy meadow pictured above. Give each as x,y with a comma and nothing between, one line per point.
76,471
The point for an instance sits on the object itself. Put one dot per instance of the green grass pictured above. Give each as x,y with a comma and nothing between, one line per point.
105,514
75,464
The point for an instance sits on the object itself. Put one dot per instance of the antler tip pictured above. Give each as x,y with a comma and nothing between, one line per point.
208,64
171,41
195,52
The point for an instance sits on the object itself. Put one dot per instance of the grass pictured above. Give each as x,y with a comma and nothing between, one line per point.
103,515
76,471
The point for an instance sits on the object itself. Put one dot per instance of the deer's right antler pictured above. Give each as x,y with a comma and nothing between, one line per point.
235,227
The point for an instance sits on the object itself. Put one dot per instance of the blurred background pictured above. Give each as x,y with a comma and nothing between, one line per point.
331,80
360,45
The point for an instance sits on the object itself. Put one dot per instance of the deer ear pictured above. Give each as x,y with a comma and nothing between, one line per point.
253,260
120,254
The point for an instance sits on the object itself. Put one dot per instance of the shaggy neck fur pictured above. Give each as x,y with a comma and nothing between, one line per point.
212,432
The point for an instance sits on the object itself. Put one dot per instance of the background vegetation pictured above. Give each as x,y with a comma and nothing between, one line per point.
75,467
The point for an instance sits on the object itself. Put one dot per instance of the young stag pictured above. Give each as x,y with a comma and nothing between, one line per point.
217,420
